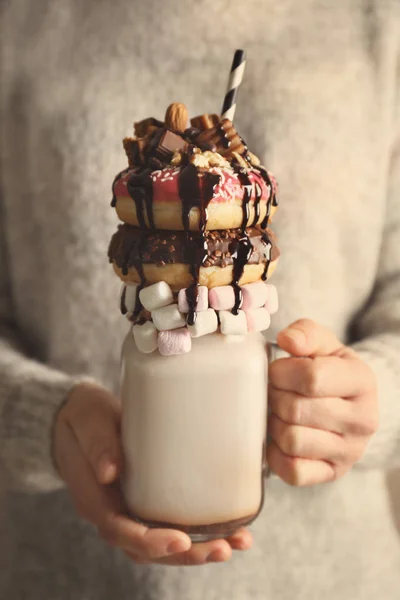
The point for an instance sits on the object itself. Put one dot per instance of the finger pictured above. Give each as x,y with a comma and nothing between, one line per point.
321,377
240,540
304,442
306,338
94,502
96,424
298,471
102,506
200,554
330,414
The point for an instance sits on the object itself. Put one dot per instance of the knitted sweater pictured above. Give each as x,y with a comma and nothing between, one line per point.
320,105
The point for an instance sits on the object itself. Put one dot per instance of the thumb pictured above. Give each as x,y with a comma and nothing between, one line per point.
306,338
94,416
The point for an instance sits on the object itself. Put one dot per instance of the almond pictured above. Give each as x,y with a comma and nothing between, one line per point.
176,117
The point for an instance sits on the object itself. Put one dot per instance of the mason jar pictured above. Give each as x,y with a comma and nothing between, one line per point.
194,433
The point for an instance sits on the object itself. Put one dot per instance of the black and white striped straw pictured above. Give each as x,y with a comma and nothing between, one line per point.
235,79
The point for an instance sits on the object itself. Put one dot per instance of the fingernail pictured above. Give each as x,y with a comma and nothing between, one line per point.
106,468
296,335
177,546
216,556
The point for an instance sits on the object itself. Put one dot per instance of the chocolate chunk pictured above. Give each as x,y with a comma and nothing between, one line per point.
168,144
205,121
141,128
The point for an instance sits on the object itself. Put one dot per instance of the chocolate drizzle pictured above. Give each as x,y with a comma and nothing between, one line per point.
117,178
241,249
122,304
140,188
272,196
268,254
133,256
192,194
257,200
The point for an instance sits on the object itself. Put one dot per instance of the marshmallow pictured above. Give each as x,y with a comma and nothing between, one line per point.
145,337
233,324
174,342
258,319
272,303
168,317
156,296
202,300
206,322
222,297
127,297
254,295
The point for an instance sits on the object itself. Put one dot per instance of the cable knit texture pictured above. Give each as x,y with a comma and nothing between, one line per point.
319,104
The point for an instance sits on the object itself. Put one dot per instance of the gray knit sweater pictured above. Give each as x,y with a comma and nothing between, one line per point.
320,104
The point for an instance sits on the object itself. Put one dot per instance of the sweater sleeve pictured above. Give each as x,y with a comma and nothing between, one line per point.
378,331
30,396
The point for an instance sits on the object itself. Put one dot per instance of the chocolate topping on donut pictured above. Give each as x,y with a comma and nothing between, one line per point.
208,144
169,247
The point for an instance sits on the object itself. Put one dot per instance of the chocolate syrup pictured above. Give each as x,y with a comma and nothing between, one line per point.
140,188
132,256
117,178
247,185
193,194
257,200
241,251
122,304
268,253
242,248
272,196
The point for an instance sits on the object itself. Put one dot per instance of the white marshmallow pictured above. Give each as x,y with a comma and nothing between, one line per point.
254,295
156,296
168,317
233,324
258,319
129,299
202,299
145,337
206,322
272,303
171,343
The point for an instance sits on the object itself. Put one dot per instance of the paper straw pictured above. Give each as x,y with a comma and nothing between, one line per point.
235,79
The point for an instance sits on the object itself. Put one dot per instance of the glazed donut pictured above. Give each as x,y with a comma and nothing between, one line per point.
157,197
142,256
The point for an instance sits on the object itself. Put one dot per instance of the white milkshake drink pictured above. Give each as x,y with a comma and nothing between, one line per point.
194,433
195,254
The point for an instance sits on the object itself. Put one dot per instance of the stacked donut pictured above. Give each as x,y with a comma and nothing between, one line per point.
194,250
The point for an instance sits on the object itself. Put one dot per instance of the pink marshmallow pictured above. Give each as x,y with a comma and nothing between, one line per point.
258,319
202,301
272,303
177,341
222,297
254,295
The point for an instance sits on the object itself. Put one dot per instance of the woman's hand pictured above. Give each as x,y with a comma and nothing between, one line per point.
324,406
88,453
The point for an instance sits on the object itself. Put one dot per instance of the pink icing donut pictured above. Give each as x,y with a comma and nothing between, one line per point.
224,210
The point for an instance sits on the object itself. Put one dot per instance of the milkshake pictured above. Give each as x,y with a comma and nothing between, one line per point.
195,253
